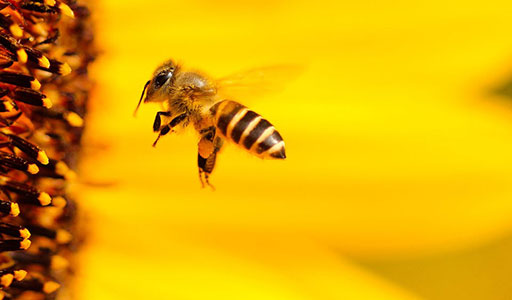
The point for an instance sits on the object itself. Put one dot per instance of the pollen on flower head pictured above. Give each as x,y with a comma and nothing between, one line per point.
46,49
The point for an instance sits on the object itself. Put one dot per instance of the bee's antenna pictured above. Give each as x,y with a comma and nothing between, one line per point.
141,96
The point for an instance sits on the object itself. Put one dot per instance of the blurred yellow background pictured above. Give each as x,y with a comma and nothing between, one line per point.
398,180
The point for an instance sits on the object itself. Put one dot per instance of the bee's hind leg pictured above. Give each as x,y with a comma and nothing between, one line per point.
209,146
206,166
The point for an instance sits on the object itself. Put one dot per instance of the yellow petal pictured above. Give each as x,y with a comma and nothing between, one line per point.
395,148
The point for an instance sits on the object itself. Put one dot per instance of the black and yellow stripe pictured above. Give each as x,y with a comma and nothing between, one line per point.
248,129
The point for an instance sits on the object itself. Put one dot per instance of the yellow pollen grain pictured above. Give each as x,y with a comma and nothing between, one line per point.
24,233
19,275
70,175
39,29
63,236
25,244
2,295
6,131
50,287
59,202
44,199
42,157
33,169
35,84
47,102
61,168
22,55
44,62
15,209
74,119
16,30
59,262
6,280
65,69
66,10
8,106
49,2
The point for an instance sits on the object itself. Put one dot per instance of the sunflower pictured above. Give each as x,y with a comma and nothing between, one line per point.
396,183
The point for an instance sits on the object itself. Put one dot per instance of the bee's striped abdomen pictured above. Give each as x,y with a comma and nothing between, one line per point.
248,129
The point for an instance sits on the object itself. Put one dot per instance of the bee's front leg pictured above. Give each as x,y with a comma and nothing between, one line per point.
158,119
174,122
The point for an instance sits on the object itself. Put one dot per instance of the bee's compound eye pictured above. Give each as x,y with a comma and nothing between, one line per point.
160,79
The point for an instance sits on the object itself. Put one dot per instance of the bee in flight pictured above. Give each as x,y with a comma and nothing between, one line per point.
191,98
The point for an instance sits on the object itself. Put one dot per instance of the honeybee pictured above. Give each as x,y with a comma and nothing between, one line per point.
191,98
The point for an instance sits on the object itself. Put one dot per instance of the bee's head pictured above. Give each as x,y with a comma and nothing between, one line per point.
157,88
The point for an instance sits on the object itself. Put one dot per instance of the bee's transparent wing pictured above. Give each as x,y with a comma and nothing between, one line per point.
257,82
